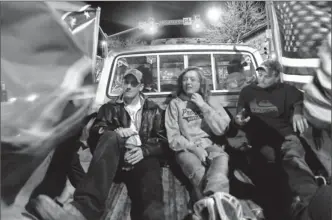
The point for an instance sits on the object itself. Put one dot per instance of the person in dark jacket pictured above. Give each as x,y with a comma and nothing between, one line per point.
270,113
129,141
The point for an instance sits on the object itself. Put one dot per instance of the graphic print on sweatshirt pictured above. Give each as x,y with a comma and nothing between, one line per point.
263,107
189,115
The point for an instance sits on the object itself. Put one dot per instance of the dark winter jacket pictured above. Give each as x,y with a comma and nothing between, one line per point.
113,115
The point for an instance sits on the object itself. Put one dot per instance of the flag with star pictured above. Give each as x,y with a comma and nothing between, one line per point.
298,30
84,25
302,39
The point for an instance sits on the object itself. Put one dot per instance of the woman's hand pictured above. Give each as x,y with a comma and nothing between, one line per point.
200,152
198,100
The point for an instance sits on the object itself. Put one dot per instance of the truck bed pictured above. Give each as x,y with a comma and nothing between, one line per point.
176,199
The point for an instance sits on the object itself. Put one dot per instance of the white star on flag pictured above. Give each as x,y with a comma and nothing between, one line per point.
86,14
72,22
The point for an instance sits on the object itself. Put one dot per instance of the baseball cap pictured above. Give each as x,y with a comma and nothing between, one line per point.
270,65
138,74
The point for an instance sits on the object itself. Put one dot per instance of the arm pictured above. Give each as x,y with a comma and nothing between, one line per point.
294,103
241,103
155,144
216,118
103,120
295,100
242,119
176,141
232,129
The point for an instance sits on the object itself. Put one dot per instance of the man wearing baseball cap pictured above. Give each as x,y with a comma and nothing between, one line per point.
270,113
129,140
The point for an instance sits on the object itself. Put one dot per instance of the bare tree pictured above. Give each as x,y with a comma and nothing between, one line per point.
124,42
237,19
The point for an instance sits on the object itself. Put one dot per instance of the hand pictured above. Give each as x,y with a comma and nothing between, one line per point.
198,100
240,118
134,156
200,153
125,132
300,123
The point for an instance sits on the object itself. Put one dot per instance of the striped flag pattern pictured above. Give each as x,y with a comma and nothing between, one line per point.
299,28
317,96
302,37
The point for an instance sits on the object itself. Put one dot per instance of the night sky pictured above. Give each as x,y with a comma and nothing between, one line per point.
117,16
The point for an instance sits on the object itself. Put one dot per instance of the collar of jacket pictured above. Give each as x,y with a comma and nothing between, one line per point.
147,103
183,97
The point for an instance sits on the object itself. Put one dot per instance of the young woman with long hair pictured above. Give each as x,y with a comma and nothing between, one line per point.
193,123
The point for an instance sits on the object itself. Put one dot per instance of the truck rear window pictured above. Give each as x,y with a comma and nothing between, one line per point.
228,71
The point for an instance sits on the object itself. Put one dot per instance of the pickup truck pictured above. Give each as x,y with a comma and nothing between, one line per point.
227,67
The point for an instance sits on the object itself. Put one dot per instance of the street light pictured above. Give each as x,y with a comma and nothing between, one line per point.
151,29
197,24
213,14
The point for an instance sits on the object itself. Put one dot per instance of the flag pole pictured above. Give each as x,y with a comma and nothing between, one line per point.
275,30
95,44
275,34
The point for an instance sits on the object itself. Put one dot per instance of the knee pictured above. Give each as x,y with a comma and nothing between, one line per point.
188,160
191,166
216,152
110,142
292,147
182,156
155,211
269,154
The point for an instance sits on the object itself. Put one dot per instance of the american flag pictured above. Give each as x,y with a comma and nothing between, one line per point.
302,38
317,96
299,28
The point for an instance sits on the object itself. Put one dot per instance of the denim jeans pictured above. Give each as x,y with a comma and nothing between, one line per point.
209,178
143,182
65,163
300,179
284,166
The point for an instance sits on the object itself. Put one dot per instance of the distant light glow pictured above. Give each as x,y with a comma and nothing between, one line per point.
197,26
31,97
152,29
103,43
213,14
12,99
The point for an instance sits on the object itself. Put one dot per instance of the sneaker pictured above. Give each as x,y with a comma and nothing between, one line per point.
48,209
204,209
296,207
228,207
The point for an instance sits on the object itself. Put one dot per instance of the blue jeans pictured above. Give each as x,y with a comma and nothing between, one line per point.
143,182
209,178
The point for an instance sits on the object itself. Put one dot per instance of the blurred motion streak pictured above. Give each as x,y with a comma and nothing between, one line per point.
48,81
